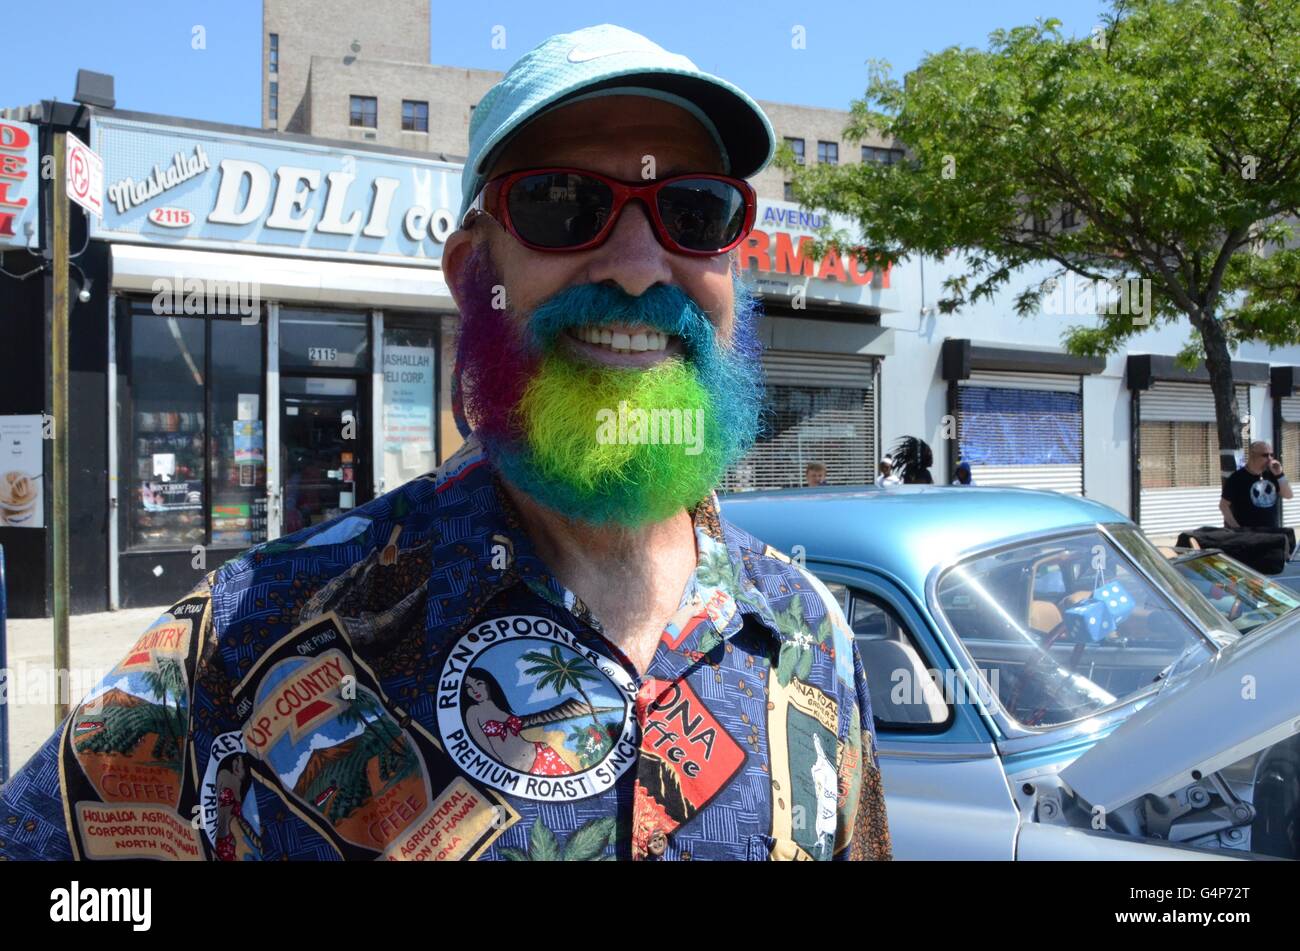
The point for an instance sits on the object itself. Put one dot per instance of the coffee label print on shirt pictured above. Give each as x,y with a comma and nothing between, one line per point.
318,725
803,726
528,709
124,748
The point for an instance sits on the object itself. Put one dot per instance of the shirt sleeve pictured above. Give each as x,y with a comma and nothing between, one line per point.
122,750
32,827
861,821
863,809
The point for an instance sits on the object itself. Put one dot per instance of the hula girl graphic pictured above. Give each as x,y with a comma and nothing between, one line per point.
521,742
235,836
525,709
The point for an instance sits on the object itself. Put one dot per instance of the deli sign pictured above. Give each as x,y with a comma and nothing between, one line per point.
201,188
19,185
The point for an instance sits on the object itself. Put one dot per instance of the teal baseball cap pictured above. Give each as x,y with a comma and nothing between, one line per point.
609,60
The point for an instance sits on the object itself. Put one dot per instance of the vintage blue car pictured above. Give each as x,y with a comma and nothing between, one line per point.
1045,683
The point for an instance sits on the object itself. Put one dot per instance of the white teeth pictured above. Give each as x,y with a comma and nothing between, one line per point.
623,342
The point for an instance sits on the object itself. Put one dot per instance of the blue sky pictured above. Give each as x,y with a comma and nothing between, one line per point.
146,44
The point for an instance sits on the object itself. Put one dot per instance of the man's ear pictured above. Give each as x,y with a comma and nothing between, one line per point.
454,255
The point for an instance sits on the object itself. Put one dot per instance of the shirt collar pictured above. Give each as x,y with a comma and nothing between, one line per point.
480,548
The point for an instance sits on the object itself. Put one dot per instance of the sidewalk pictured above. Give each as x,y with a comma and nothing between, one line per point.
97,643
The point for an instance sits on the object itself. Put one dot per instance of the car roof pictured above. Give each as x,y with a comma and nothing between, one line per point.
905,530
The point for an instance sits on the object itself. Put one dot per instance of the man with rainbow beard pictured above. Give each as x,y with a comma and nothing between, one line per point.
553,647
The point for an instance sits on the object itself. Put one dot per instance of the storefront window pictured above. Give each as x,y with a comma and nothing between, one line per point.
410,383
237,438
193,456
162,432
324,340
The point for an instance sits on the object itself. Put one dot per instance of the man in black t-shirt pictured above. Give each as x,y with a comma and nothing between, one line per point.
1250,496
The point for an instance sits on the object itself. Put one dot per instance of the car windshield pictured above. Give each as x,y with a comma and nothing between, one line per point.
1246,599
1063,628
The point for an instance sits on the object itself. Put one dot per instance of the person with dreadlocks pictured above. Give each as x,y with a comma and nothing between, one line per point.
912,461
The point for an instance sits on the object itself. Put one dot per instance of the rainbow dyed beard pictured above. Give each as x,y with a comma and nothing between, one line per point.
600,444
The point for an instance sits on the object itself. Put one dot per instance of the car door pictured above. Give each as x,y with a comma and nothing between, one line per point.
945,788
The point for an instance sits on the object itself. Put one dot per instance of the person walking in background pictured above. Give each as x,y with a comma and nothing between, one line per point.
961,475
913,459
814,474
886,476
1250,495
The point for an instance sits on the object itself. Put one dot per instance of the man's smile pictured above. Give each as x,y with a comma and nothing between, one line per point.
626,345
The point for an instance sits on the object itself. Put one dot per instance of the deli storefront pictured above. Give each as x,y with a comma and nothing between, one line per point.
278,328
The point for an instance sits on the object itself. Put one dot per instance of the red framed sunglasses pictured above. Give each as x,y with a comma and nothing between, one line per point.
572,209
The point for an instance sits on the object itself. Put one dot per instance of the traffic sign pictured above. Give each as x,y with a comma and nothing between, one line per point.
85,176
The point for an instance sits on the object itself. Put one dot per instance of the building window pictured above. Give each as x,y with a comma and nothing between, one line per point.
1069,217
789,191
1039,224
879,156
828,153
1178,455
796,145
273,103
415,116
364,112
193,448
409,418
274,64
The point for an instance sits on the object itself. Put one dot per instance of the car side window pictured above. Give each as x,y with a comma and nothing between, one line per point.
906,695
841,595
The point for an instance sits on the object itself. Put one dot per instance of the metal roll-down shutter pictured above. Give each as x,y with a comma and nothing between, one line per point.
820,407
1022,429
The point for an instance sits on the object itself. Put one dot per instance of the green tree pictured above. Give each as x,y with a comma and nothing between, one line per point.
1164,147
167,683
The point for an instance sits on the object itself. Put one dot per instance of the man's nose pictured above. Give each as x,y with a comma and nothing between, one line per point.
632,256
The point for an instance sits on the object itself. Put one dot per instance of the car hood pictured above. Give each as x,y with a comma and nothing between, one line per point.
1238,702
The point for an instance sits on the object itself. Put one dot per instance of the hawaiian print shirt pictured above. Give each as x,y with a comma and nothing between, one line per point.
408,682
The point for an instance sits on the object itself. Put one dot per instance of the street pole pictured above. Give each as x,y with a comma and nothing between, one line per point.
59,385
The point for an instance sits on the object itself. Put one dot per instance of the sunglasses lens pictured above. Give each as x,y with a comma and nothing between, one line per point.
702,214
559,209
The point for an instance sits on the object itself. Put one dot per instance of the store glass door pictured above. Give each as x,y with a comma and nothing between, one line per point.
325,468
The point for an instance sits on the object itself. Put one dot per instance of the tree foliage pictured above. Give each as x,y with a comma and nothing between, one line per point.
1171,136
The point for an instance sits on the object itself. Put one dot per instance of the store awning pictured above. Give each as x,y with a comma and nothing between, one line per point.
961,357
304,280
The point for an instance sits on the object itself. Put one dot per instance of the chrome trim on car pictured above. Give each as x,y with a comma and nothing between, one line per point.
942,752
